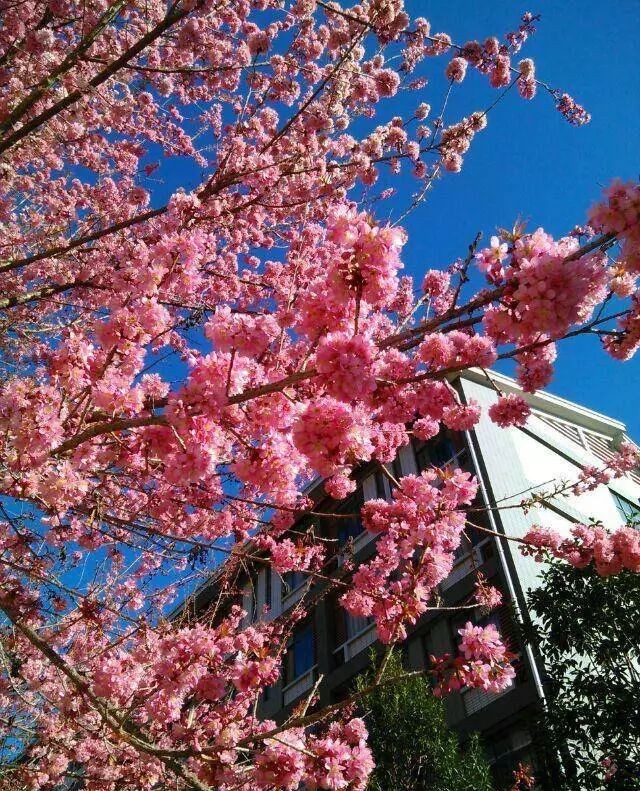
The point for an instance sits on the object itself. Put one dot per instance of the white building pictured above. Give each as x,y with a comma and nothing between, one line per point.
512,465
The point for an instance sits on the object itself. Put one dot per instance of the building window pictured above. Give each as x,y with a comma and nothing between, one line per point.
475,549
351,634
292,580
268,595
378,484
300,656
439,451
383,485
470,539
346,626
354,624
349,529
251,601
346,525
628,511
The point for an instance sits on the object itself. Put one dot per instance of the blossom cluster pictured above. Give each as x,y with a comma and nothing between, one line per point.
332,435
624,460
346,362
609,551
483,662
619,214
510,410
547,289
419,531
340,759
456,349
486,595
196,685
367,259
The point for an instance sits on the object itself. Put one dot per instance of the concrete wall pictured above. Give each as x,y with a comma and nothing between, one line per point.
521,462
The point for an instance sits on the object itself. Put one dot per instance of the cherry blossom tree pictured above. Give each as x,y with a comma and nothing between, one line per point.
180,359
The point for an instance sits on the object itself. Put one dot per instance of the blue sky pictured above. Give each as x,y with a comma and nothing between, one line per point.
529,162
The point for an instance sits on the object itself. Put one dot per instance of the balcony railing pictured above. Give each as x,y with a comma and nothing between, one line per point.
299,686
354,645
475,699
467,563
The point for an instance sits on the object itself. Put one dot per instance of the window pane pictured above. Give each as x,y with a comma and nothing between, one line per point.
382,485
626,509
267,587
437,451
289,672
355,624
349,528
293,580
303,649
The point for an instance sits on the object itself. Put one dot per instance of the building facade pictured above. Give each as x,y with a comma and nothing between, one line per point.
511,464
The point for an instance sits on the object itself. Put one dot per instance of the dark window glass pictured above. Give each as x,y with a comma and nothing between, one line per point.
463,550
300,655
343,528
470,539
344,627
253,588
338,623
348,529
382,485
627,510
437,451
292,580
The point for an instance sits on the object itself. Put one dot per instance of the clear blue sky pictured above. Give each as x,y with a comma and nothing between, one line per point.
530,162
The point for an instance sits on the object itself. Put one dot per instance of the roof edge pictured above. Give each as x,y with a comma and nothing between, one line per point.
547,402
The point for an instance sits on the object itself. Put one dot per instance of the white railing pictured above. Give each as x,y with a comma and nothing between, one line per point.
354,645
476,699
465,565
299,686
288,599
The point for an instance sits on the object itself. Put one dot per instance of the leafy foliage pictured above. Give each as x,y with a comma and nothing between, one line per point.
412,745
589,633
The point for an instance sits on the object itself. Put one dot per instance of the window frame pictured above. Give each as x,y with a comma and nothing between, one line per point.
289,674
627,510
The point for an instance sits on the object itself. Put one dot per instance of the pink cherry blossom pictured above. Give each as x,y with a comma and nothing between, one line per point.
486,595
332,435
456,69
203,311
510,410
610,552
346,364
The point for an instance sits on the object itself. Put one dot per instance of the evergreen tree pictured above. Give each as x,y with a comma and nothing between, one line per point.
412,745
588,630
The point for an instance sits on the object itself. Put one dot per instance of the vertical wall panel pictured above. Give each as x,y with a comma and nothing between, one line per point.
517,465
